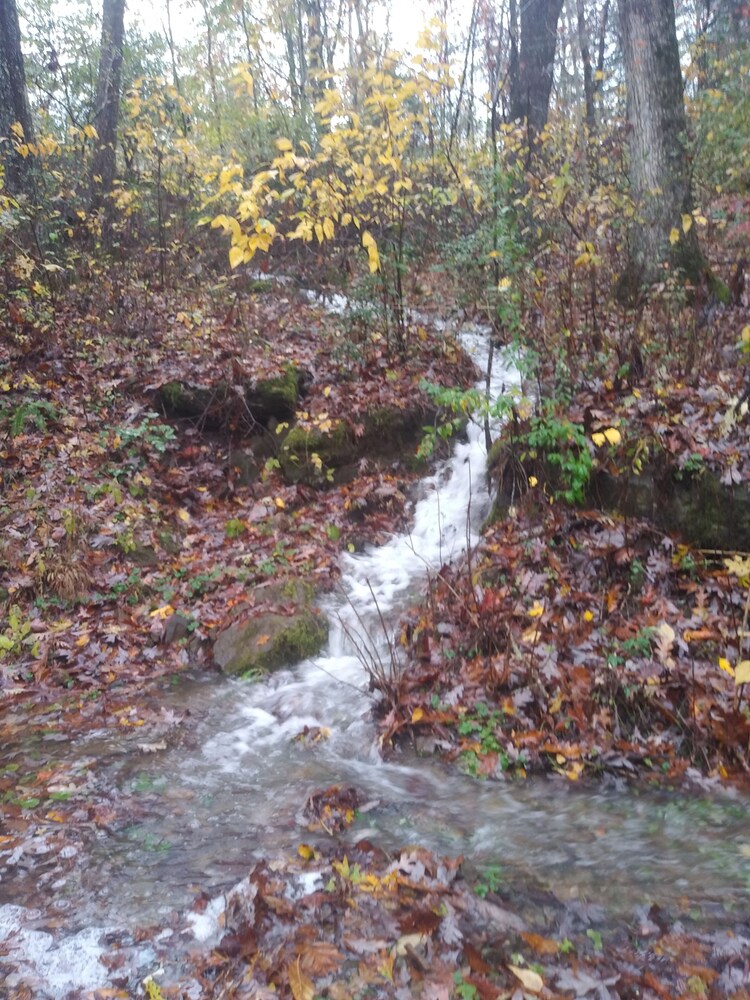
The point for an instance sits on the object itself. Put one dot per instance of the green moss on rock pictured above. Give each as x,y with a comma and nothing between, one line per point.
270,641
333,448
275,397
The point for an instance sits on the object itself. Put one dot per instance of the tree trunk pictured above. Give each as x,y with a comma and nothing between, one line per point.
107,108
14,102
537,61
213,84
659,169
588,74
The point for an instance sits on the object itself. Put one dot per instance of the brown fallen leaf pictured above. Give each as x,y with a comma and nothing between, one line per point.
301,985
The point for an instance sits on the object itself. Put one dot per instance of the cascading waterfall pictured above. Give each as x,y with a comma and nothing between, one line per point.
373,586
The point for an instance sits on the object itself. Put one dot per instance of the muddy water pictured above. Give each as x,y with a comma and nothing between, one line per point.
232,789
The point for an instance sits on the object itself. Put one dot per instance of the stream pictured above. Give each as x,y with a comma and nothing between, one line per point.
233,789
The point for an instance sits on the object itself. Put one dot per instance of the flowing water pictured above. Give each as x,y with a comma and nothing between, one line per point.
233,790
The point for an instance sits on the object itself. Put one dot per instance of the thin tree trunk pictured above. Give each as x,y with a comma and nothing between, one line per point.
107,108
514,68
14,102
212,71
175,74
588,75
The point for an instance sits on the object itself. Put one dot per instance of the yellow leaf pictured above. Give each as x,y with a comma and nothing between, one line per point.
183,515
588,616
504,284
263,640
328,228
742,673
726,666
306,852
613,435
279,503
302,986
533,481
738,566
598,438
536,610
83,640
327,391
56,817
666,632
163,613
674,236
687,223
373,258
417,714
531,980
152,990
319,232
284,145
235,257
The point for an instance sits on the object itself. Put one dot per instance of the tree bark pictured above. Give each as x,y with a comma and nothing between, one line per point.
588,73
530,94
107,108
659,167
14,101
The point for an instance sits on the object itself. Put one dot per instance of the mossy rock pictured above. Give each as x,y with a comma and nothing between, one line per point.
390,431
245,466
704,511
270,641
301,447
275,398
221,406
210,407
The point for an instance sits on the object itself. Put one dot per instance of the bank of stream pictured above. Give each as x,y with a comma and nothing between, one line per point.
231,788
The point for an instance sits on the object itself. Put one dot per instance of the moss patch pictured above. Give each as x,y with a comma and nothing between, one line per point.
333,449
270,641
275,398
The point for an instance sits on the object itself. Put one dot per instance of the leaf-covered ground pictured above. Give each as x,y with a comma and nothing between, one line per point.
609,633
575,640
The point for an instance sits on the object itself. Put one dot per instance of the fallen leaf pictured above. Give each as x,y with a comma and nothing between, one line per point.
301,985
531,980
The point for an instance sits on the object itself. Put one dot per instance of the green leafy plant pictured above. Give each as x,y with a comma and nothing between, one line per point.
563,445
466,991
235,527
35,411
490,881
150,432
17,635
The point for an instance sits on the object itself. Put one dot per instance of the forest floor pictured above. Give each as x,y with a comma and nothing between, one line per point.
578,640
